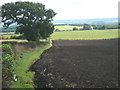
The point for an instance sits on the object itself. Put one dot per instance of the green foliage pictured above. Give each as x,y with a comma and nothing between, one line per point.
22,62
94,26
7,50
39,30
7,65
75,28
87,27
15,67
33,20
101,27
112,26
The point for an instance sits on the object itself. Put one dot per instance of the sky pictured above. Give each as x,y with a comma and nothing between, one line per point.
78,9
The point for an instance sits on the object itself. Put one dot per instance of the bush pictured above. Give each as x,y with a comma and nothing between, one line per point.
75,28
87,27
7,65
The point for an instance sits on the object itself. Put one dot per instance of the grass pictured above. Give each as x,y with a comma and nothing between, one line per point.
67,27
22,62
86,35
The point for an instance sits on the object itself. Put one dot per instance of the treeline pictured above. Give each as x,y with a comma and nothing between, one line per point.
8,74
113,26
98,27
89,27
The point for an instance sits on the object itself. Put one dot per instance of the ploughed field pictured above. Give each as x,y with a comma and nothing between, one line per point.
78,64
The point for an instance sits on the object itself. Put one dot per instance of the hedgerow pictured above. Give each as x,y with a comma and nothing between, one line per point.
8,74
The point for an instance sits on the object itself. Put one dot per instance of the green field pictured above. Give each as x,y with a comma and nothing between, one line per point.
67,27
81,35
86,35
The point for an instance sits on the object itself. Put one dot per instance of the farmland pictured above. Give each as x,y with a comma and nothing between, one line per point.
79,59
67,27
80,44
73,50
86,34
78,64
80,35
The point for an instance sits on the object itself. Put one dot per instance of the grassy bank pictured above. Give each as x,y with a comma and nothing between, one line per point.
23,60
86,34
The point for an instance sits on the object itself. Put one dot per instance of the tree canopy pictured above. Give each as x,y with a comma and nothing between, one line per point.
33,19
87,27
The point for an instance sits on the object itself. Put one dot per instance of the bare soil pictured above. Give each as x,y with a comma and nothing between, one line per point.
78,64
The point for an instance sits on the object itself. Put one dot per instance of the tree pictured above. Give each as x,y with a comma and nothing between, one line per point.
87,27
94,26
104,27
33,20
101,27
75,28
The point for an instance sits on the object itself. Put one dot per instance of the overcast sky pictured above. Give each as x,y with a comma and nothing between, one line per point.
79,9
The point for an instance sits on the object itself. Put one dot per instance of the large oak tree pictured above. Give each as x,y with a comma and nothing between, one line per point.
33,19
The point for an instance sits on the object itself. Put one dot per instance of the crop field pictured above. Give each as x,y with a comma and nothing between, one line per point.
86,34
67,27
78,64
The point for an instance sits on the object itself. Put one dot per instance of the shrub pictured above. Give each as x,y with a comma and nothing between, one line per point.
7,65
75,28
87,27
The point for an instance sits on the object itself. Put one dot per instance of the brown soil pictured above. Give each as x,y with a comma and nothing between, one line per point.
78,64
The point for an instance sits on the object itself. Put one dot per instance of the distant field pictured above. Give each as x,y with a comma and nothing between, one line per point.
81,35
87,34
8,36
67,27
